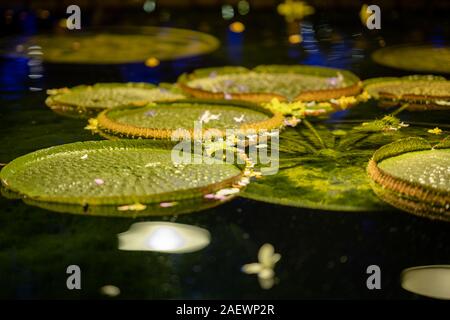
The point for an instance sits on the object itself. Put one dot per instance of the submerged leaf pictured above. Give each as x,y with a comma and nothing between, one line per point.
322,170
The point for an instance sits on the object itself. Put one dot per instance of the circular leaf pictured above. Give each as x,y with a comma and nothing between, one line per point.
423,58
85,101
264,83
419,92
125,176
124,45
162,119
413,176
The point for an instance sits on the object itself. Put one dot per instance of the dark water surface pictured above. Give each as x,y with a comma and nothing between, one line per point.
324,254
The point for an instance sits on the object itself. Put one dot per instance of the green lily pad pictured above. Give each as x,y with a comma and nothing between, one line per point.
423,58
420,92
160,120
324,167
136,176
264,83
86,101
129,45
413,176
430,167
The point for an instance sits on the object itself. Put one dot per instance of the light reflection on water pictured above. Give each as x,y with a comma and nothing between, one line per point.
13,75
166,237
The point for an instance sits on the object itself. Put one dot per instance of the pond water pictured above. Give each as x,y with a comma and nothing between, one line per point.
324,254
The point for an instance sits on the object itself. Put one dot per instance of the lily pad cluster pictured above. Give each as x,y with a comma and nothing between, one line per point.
320,164
419,92
413,175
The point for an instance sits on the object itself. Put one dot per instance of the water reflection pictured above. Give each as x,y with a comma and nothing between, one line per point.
235,42
311,46
164,237
430,281
13,76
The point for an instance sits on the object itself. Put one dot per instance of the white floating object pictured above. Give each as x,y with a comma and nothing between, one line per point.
430,281
166,237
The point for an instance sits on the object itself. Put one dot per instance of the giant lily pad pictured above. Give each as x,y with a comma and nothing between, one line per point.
162,119
419,92
414,176
423,58
323,166
127,45
126,177
85,101
263,83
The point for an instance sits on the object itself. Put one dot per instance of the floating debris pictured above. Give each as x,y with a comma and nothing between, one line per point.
239,119
208,116
292,121
150,113
167,204
99,181
132,207
436,131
